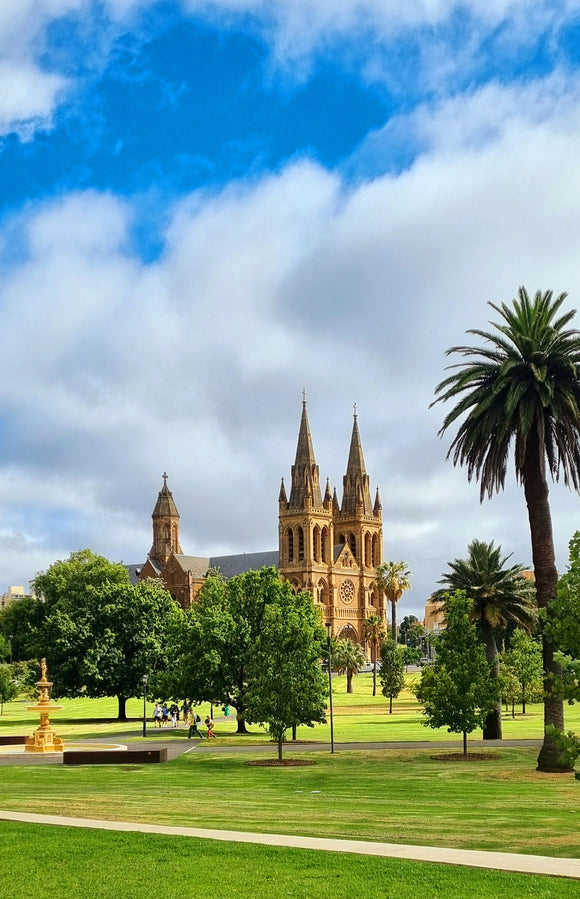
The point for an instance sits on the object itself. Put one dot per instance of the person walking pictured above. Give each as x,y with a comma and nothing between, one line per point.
193,728
210,726
157,715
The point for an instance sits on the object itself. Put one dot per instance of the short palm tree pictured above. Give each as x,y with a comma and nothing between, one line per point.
374,630
500,595
348,658
393,578
521,390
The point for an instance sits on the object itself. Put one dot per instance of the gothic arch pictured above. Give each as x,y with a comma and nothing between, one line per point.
352,544
300,540
348,632
368,550
289,544
324,544
322,591
375,551
316,551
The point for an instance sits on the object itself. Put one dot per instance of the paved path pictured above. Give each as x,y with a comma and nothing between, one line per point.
501,861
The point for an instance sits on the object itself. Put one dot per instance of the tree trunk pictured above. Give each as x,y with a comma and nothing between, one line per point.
523,702
122,711
280,749
394,620
390,705
465,744
513,708
349,682
294,732
492,726
546,575
375,670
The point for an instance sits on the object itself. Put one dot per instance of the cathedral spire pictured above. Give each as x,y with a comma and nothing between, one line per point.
356,481
165,526
305,475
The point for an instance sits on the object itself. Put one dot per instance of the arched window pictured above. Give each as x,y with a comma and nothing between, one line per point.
290,544
316,543
341,539
322,592
368,550
300,544
324,545
376,555
352,544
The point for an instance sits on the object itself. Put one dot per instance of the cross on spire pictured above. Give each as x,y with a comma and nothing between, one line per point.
165,479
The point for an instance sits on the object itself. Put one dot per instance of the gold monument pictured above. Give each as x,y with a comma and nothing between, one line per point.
44,738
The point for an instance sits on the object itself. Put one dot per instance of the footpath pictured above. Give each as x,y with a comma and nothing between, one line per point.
500,861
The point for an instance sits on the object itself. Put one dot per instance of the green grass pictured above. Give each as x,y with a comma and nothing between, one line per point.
357,717
387,795
56,861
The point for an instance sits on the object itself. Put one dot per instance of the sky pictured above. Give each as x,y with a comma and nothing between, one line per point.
206,207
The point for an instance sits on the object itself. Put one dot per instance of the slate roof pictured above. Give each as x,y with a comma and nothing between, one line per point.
238,564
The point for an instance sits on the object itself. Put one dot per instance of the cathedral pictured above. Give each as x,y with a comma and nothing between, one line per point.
329,548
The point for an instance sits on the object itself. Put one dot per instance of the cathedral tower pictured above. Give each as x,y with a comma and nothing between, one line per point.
165,527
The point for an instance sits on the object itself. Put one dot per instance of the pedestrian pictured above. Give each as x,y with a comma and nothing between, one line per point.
174,712
193,728
164,716
157,715
227,710
185,709
210,725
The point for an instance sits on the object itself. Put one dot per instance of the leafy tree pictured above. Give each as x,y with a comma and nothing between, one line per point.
25,675
105,647
509,685
406,634
393,579
500,595
348,658
392,671
374,631
66,582
286,685
521,389
411,655
4,649
457,691
21,622
8,686
524,658
217,646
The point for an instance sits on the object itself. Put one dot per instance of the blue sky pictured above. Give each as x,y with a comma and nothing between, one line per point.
205,206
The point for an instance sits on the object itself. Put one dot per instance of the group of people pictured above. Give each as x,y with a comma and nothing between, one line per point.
169,716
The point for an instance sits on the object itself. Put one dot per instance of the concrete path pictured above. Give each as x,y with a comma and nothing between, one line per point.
500,861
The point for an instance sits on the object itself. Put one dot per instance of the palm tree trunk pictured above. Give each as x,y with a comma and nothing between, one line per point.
546,575
374,667
349,681
492,726
394,620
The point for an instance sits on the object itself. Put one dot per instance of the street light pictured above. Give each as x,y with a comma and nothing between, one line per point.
144,680
328,626
10,639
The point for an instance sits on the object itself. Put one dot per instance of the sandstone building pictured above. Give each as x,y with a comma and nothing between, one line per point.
326,547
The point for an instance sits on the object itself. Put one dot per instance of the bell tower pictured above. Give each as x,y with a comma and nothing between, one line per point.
165,526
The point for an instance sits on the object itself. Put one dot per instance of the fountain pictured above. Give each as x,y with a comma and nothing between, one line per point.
44,738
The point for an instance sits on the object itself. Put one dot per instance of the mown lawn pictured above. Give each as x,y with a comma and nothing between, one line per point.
55,861
386,795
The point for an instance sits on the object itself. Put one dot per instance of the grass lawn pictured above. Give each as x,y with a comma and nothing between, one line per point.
387,795
55,861
357,717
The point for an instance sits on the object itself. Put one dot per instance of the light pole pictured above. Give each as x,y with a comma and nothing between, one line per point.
144,680
328,636
10,639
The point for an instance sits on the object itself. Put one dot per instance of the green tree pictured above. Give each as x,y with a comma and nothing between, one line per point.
406,634
374,631
65,583
457,691
286,684
393,579
20,623
214,657
105,647
521,389
392,671
8,686
500,595
524,658
348,658
4,649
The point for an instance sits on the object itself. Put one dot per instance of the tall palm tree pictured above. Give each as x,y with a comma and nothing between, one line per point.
500,595
393,578
521,388
374,630
348,658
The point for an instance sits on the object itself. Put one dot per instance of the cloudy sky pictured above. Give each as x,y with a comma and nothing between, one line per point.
207,206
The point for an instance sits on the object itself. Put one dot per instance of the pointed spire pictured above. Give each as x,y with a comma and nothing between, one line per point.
165,526
335,505
377,507
165,504
305,476
356,481
282,498
327,493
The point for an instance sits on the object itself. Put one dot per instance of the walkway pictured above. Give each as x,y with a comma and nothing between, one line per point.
500,861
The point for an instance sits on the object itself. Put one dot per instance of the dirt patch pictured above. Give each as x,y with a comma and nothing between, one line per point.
471,757
275,763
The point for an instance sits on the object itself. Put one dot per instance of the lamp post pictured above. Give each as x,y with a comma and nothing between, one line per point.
10,639
144,680
328,636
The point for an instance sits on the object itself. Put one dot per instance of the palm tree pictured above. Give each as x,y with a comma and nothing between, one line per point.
393,578
374,630
500,595
348,658
522,388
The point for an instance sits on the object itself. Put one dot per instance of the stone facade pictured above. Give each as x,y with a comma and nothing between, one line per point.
328,548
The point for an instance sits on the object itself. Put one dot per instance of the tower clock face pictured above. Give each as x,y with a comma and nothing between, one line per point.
347,591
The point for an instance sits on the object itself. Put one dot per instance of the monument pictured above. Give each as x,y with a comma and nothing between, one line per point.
44,738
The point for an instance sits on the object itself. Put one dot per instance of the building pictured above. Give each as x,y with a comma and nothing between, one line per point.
13,594
329,548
